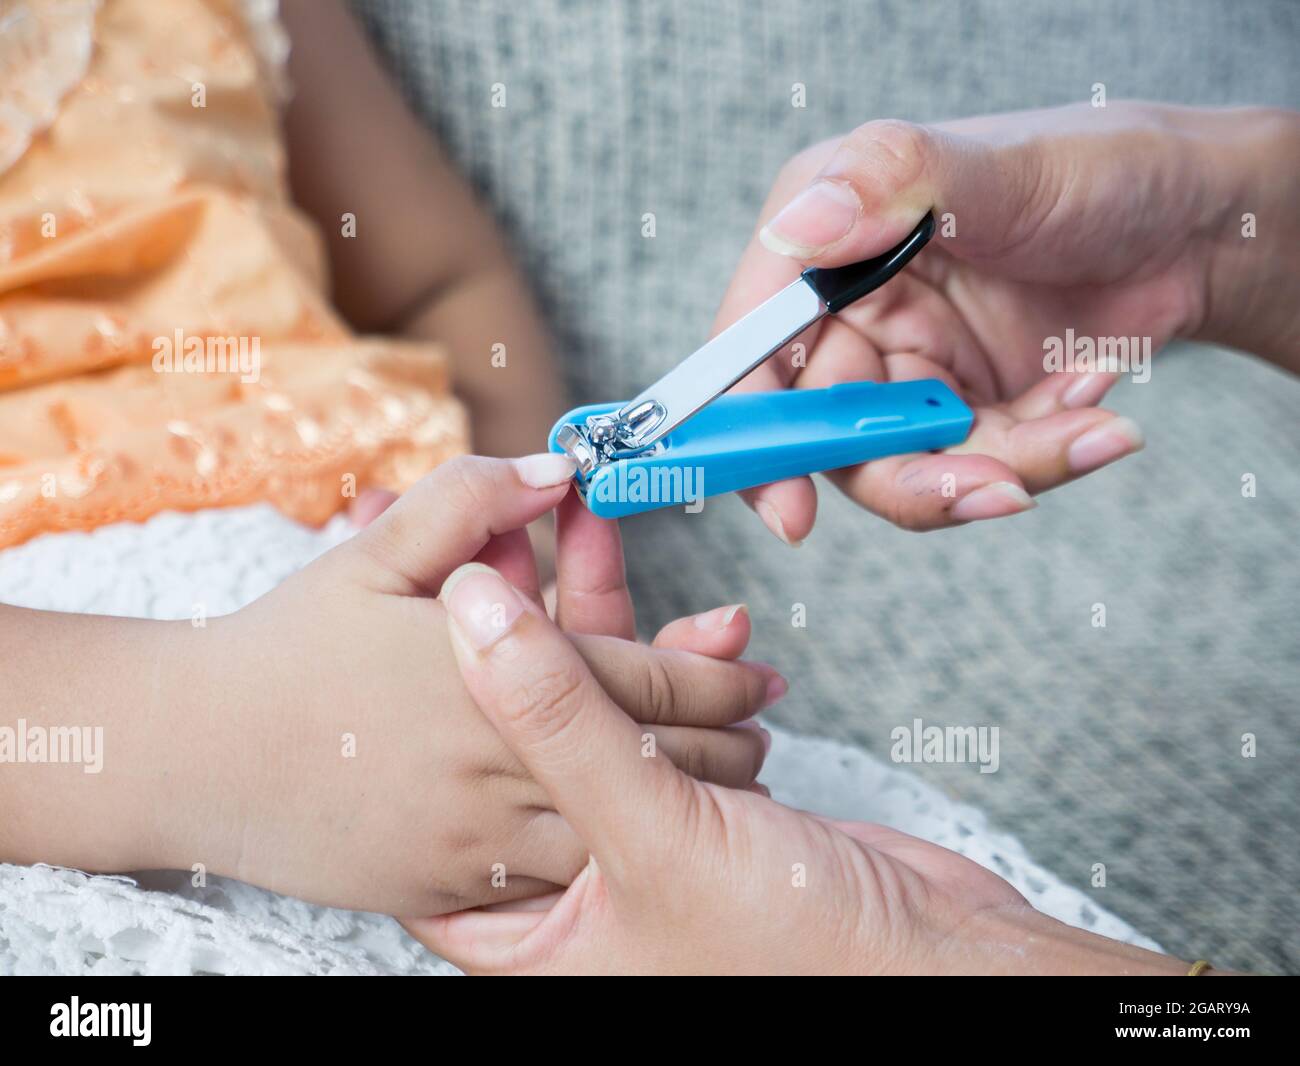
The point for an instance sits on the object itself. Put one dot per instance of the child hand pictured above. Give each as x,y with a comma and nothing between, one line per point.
348,764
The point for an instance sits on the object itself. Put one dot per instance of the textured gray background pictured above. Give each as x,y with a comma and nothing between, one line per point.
1120,745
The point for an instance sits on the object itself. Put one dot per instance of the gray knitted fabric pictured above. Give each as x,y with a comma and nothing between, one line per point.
1119,745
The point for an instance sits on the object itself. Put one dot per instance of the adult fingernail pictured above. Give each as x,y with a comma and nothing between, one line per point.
773,522
719,618
546,470
481,604
1087,391
1110,441
814,220
995,500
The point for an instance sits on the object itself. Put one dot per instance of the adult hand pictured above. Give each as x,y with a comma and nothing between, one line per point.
689,877
1123,221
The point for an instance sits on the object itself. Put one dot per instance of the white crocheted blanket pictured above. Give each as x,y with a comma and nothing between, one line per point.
57,921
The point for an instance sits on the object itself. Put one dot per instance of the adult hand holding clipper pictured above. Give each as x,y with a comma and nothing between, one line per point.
680,440
1118,222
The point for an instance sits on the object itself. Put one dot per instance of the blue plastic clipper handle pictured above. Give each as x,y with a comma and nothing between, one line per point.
747,439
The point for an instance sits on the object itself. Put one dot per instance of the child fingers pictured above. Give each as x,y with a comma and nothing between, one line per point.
370,505
448,517
730,757
545,849
512,889
667,687
591,593
721,633
511,555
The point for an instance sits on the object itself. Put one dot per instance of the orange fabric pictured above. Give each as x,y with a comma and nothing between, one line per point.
141,237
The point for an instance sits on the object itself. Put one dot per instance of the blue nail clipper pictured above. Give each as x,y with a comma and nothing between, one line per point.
681,439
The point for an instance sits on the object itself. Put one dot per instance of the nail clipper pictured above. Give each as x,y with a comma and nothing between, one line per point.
682,439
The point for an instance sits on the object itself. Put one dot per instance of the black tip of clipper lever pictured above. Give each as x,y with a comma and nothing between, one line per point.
841,286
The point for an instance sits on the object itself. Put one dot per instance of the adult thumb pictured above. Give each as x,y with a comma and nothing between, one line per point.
885,175
600,769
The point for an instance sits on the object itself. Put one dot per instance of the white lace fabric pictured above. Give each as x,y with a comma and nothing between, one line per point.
59,921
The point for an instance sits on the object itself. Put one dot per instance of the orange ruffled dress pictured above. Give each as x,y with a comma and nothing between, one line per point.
166,342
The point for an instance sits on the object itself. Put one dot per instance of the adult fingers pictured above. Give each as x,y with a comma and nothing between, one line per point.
532,684
885,175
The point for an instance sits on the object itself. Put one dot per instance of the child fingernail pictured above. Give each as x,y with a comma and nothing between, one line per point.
995,500
719,618
773,522
546,470
777,686
763,734
815,219
1110,441
481,604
